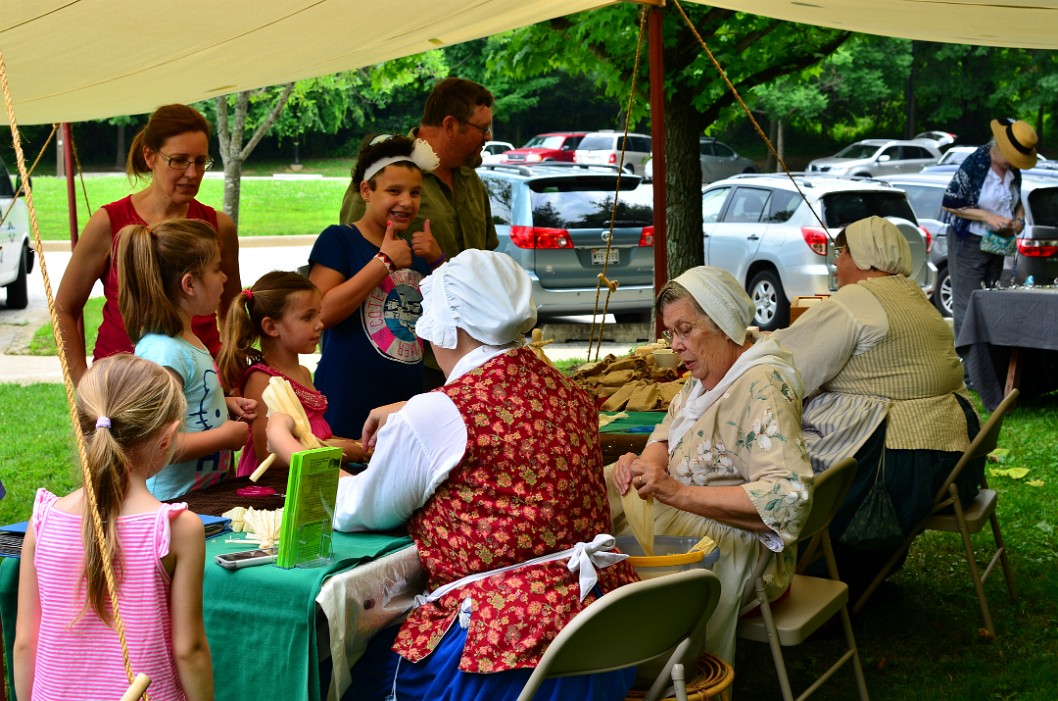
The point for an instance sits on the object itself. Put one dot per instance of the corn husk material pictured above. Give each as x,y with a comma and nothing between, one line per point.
630,383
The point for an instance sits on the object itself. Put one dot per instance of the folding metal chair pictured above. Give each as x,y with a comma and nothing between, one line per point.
812,601
630,625
948,514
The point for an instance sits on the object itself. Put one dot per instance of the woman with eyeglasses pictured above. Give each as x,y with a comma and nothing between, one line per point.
172,154
728,460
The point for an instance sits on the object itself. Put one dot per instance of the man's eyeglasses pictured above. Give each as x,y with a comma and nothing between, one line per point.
485,130
682,331
182,162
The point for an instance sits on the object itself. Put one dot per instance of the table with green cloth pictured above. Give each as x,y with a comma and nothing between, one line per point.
270,629
628,434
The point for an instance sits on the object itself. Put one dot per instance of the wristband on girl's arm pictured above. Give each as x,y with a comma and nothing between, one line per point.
386,261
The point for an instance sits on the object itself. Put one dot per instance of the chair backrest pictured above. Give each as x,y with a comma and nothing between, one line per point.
983,443
829,490
630,625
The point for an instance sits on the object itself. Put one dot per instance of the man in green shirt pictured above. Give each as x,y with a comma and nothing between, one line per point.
456,122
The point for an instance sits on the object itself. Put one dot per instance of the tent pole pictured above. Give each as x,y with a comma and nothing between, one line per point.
71,191
657,133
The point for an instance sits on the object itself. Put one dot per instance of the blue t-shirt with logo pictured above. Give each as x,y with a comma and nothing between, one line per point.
372,357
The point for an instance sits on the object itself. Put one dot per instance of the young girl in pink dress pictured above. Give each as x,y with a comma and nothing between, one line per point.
66,642
268,326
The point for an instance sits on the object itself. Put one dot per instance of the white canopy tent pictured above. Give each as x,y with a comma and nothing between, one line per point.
75,60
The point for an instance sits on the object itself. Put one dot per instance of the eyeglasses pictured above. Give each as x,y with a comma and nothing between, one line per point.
838,250
485,130
182,162
682,331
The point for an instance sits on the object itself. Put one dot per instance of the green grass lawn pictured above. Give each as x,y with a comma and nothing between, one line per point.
267,207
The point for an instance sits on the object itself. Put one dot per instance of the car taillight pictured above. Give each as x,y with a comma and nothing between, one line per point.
647,237
1037,249
540,237
816,239
613,158
929,238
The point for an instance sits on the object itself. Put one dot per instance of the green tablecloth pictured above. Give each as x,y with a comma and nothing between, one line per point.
261,621
635,422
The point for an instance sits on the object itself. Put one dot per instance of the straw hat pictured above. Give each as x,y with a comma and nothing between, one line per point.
1016,140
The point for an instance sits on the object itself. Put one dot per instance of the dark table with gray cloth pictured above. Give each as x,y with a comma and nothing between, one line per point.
1008,334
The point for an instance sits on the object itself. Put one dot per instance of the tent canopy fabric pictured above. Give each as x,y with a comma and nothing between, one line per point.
75,60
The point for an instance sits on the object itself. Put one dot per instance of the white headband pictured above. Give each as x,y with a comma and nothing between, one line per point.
721,298
422,155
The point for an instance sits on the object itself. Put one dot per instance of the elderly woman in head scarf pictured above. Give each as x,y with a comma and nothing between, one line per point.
498,467
882,383
728,460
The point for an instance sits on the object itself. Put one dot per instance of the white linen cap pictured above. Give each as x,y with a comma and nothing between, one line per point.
485,293
720,296
876,243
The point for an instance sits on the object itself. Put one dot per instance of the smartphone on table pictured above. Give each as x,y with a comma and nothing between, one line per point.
246,558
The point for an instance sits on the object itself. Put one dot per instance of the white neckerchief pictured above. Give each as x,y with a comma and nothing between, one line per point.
765,351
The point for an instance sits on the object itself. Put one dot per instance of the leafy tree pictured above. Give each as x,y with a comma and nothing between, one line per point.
602,44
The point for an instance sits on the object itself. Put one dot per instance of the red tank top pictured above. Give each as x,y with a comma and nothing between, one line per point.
112,337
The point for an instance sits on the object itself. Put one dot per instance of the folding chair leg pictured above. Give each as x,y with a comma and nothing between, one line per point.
861,682
1008,573
886,569
775,645
975,574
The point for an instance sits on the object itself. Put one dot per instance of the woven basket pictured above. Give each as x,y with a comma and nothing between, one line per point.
712,680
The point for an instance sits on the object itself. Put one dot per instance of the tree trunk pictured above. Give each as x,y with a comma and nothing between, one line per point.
230,134
683,180
780,144
119,161
771,165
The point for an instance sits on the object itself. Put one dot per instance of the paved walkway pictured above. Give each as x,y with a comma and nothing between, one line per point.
257,255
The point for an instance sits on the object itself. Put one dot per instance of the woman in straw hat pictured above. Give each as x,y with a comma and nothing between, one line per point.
882,384
498,467
984,196
728,460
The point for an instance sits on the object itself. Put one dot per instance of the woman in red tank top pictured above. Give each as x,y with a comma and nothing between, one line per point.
172,153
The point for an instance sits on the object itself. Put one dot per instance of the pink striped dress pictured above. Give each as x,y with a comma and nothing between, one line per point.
81,659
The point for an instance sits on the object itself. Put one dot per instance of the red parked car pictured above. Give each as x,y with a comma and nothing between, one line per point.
552,146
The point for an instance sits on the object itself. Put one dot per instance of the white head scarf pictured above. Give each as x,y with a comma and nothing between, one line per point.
723,300
485,293
876,243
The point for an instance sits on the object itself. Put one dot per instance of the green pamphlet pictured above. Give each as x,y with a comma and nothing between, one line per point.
305,534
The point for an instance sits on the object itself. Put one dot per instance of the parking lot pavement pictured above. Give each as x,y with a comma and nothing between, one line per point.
256,257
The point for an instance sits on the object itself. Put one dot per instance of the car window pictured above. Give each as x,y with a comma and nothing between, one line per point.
783,205
857,151
747,205
500,196
571,143
712,203
924,199
599,142
587,203
893,152
640,144
1043,203
706,148
842,208
722,151
916,152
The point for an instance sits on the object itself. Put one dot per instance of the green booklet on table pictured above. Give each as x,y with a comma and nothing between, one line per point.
305,534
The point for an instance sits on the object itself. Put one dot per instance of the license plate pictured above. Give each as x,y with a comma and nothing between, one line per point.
599,257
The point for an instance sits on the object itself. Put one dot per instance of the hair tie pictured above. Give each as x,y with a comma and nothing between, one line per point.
249,294
102,422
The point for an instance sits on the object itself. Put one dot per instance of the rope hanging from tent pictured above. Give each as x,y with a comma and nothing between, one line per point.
93,506
22,183
603,281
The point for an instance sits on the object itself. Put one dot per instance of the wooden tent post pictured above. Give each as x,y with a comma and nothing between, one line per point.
657,133
71,194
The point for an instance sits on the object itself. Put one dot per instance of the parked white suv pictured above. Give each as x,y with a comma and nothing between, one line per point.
759,229
16,257
604,148
873,157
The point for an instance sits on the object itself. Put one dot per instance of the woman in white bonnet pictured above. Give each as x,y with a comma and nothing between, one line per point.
499,466
728,460
881,378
